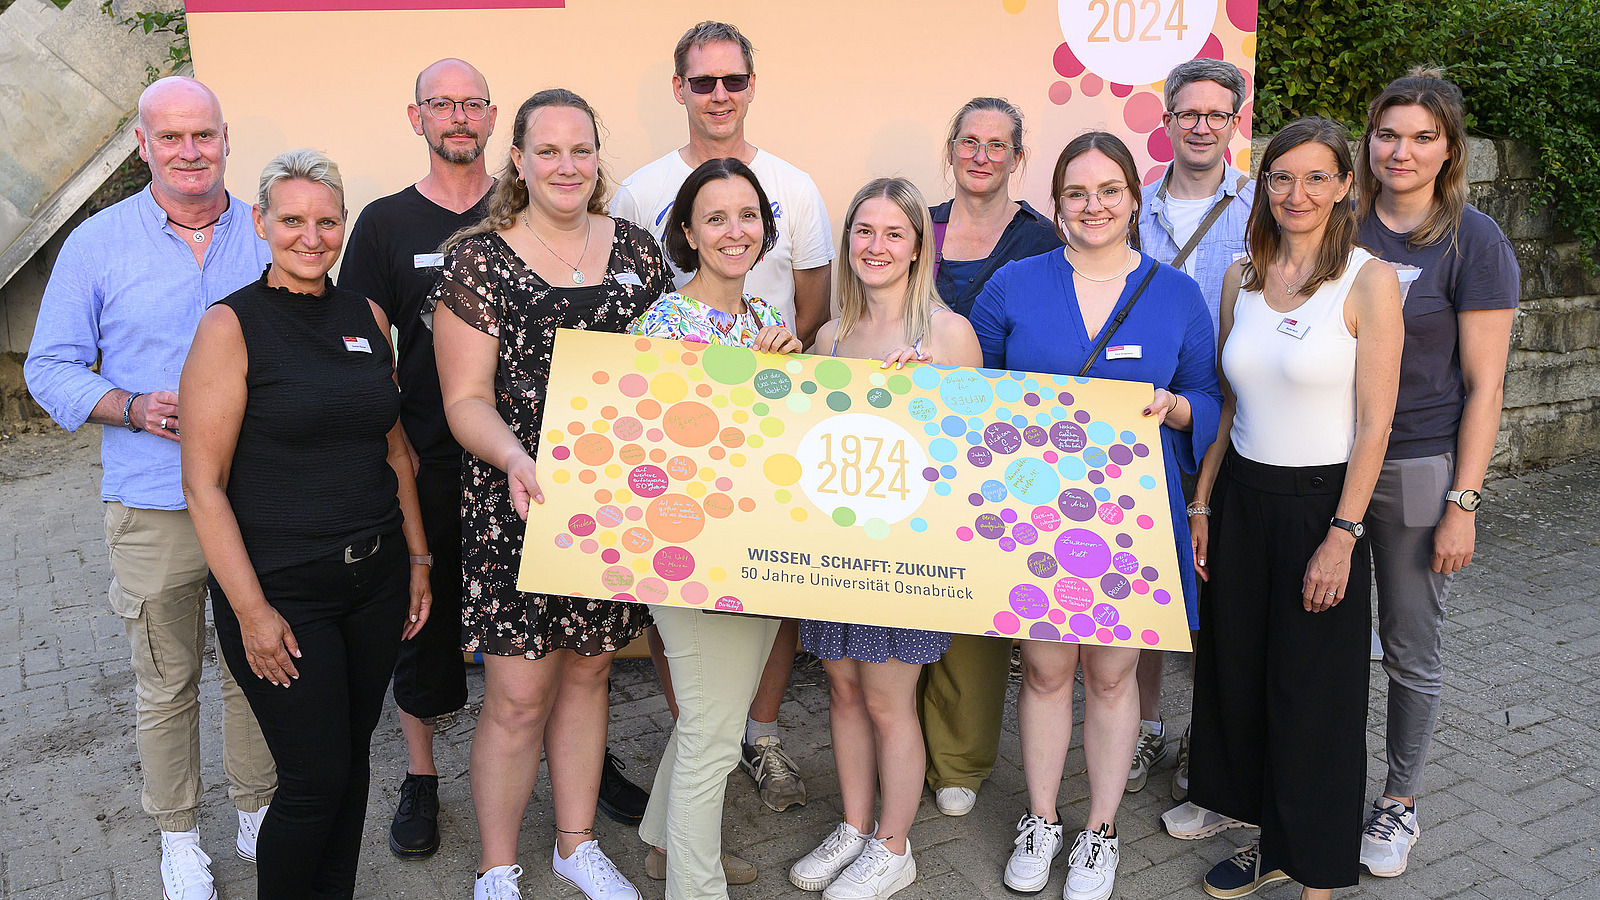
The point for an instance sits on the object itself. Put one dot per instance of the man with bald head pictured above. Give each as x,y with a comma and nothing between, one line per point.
392,257
126,292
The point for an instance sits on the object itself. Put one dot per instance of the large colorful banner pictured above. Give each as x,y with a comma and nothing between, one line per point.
846,91
937,497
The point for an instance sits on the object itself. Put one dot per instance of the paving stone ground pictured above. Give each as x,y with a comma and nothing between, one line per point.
1510,808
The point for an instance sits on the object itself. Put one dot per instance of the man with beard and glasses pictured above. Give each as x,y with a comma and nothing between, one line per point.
127,292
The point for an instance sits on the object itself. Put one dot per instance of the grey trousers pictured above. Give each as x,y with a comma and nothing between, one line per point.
1406,505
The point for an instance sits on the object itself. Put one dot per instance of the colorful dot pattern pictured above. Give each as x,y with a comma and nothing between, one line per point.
1065,511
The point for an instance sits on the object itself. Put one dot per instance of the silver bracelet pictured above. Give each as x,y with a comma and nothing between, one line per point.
1198,509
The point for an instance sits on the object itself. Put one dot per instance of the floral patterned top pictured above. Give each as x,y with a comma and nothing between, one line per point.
683,318
489,287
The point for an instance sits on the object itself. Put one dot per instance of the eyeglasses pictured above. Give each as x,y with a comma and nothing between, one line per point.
1315,184
1188,119
443,107
1078,201
994,151
705,84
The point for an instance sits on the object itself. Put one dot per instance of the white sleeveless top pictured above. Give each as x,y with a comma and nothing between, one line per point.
1296,395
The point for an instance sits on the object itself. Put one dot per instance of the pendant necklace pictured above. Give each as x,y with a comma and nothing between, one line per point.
577,277
199,230
1134,260
1292,289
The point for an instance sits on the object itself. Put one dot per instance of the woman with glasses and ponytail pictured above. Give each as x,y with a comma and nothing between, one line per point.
1098,308
962,697
1311,334
1460,291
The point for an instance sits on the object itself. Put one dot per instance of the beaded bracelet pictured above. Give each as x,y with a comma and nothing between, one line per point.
127,409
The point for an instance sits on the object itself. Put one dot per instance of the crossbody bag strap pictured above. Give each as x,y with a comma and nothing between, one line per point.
1109,330
938,245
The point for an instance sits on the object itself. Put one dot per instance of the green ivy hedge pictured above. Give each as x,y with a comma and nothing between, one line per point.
1530,70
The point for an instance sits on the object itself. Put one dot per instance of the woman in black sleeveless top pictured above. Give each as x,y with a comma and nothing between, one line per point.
297,477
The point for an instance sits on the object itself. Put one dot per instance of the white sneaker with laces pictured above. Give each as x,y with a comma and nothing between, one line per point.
1038,843
875,874
1146,753
1387,840
185,868
955,801
249,832
589,870
817,869
1092,871
499,883
1188,822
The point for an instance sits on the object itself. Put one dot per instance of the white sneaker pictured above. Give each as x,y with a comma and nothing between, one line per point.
1037,845
1180,775
249,832
1188,822
499,883
589,870
185,868
875,874
955,801
817,869
1092,868
1150,749
1387,840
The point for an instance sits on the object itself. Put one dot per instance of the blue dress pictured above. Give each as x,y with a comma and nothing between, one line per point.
834,641
1027,318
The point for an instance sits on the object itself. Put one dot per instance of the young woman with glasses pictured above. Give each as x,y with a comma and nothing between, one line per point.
1460,300
1057,313
1311,335
962,697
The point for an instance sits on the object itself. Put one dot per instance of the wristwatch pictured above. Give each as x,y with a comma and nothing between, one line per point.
1356,529
426,560
1468,500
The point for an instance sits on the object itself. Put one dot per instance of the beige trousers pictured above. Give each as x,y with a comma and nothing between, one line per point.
158,587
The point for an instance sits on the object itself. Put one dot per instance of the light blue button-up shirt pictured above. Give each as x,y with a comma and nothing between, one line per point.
126,291
1223,244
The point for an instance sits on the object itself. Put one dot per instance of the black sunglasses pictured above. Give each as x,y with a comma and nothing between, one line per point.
705,84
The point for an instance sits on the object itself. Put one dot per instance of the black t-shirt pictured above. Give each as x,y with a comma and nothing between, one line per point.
1477,271
392,257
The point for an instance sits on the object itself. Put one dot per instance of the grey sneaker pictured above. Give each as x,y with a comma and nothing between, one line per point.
1180,775
1150,749
776,776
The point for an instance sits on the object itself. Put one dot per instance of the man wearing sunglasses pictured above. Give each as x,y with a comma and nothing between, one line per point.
1193,218
715,82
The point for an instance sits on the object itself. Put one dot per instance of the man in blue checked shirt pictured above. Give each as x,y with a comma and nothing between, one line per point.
127,292
1194,218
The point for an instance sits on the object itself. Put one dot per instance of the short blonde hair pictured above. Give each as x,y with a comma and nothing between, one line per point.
303,164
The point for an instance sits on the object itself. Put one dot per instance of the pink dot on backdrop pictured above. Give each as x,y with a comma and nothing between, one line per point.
1103,635
965,534
1246,117
1146,522
1143,112
724,484
610,555
1006,622
1154,173
694,592
1249,84
1058,615
1120,90
1160,147
1060,93
633,385
589,546
1150,637
1242,13
1066,62
1091,85
1212,49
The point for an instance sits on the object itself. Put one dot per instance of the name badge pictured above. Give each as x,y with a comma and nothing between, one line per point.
1294,328
427,260
629,278
1125,351
357,344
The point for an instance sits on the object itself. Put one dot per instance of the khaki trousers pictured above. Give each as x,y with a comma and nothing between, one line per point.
158,587
961,700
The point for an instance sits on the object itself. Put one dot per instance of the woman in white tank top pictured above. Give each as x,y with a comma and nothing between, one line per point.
1311,335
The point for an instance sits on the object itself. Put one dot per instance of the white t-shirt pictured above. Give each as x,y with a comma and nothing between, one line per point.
1185,216
805,239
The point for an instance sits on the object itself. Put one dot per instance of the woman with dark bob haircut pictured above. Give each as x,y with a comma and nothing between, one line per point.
720,225
1311,335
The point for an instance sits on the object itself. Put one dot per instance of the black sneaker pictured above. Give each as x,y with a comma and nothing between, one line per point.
620,799
1241,875
414,833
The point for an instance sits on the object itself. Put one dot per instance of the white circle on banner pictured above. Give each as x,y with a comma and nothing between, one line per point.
863,463
1136,42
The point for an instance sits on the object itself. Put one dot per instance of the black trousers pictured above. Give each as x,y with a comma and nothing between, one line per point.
347,619
430,678
1280,700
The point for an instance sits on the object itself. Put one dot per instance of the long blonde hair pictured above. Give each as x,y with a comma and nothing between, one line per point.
1428,89
921,295
510,194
